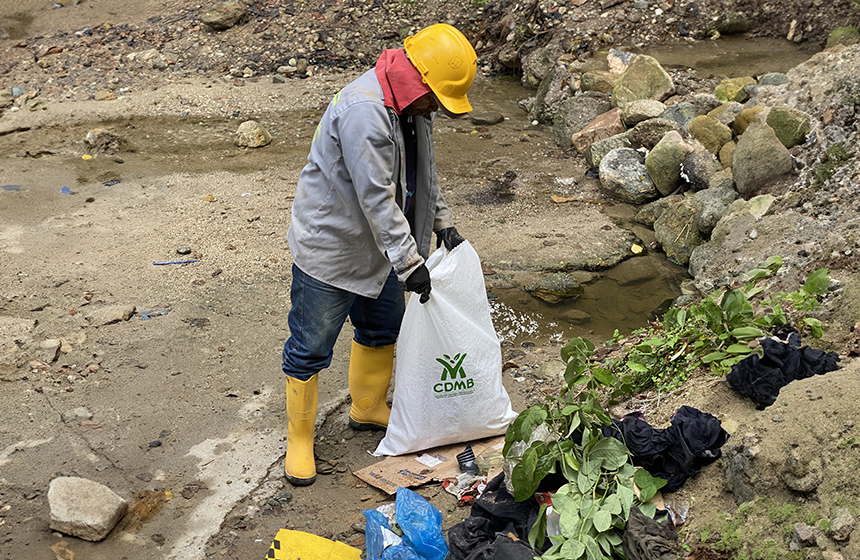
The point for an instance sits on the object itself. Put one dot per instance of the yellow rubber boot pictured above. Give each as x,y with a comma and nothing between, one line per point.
369,375
302,399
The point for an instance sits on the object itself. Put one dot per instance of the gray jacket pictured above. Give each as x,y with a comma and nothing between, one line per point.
347,229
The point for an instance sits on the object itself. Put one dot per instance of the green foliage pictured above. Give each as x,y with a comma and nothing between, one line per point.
595,503
717,332
782,513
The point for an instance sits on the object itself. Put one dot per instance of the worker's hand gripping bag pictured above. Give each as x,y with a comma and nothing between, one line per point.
448,378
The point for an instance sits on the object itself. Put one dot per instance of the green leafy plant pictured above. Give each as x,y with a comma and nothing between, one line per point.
718,331
595,503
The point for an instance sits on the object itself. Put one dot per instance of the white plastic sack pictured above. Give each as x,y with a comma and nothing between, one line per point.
448,378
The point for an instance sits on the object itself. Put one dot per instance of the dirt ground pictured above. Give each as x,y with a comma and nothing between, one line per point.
183,413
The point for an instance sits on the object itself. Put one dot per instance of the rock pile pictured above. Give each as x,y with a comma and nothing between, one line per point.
693,154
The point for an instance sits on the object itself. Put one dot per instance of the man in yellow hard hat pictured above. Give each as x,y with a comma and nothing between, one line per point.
366,207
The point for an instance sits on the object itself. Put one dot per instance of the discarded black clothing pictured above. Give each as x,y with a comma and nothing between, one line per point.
494,512
647,539
692,441
503,548
761,379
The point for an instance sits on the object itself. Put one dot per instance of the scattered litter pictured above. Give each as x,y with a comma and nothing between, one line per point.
155,312
246,194
414,469
466,460
111,183
67,190
15,188
467,487
87,157
208,198
159,263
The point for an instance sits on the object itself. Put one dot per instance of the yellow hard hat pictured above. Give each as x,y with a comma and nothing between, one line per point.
446,61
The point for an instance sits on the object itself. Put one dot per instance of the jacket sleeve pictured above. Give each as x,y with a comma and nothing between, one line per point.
369,155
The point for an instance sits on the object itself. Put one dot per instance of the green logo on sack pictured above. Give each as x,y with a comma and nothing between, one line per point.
454,381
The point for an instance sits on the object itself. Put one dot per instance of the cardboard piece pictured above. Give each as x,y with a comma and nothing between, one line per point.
415,469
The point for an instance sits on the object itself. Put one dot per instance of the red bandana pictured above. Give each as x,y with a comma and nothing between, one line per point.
401,82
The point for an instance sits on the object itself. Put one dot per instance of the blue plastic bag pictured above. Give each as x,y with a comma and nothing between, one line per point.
421,524
422,531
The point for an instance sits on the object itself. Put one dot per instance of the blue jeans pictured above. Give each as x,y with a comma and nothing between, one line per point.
317,315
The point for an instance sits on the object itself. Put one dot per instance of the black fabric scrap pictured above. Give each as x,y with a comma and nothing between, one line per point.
647,539
494,512
503,548
761,379
692,441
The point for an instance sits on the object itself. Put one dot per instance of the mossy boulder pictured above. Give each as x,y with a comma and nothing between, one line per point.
732,89
664,162
710,132
790,125
598,80
759,158
645,78
746,117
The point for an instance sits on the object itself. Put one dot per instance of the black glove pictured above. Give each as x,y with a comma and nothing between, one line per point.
419,282
449,237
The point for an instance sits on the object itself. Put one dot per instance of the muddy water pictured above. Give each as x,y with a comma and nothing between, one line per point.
624,298
733,57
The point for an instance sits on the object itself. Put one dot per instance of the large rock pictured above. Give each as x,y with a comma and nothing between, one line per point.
619,61
674,230
649,213
727,112
664,162
224,15
556,288
773,79
682,113
790,125
713,203
574,113
710,132
727,154
699,167
759,159
599,149
538,64
604,126
552,92
732,89
647,133
704,103
746,117
252,134
83,508
623,176
598,80
641,110
645,78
